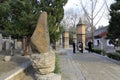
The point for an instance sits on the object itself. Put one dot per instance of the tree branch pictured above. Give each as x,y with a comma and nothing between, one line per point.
99,10
100,18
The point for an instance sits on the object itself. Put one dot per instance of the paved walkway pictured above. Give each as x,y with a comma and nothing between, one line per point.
88,66
84,66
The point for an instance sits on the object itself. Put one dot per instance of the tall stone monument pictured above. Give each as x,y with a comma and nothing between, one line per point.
66,39
43,58
81,33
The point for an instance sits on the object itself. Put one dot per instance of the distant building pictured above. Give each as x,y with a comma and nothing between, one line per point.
100,39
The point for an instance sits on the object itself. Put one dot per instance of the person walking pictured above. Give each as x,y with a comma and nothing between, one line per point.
74,47
90,46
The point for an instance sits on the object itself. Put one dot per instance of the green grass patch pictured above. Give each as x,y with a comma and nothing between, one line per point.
57,65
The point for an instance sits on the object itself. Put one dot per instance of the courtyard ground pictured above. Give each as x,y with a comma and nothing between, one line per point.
79,66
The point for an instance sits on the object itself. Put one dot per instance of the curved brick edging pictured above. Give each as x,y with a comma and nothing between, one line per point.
16,73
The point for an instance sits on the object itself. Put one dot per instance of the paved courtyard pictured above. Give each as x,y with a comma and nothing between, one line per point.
88,66
79,66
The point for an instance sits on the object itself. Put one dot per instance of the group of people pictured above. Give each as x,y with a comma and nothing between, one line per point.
80,46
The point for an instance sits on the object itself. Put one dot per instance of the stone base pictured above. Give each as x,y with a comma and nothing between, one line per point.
7,58
50,76
43,63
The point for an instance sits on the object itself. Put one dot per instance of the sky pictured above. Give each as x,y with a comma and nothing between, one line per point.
75,6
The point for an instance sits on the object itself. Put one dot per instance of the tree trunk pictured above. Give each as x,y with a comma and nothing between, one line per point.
27,46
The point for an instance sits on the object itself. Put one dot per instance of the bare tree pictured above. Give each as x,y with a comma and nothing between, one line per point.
70,19
92,13
65,22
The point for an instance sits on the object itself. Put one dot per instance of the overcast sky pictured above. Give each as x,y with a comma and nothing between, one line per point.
75,6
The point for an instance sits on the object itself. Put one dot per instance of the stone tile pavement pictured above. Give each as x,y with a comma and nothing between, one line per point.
79,66
88,66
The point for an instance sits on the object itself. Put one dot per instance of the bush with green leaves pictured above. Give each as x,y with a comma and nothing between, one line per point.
98,51
115,56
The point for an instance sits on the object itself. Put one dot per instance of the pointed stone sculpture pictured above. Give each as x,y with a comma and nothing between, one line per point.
43,59
40,38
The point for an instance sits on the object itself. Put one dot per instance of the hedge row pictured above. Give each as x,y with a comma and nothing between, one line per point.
115,55
98,51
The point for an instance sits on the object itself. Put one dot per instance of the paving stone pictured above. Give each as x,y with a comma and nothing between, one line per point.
88,66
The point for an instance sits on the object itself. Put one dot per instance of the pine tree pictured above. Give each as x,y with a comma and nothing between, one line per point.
19,17
22,18
114,26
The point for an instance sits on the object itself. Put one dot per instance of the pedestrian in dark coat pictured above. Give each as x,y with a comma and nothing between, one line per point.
74,47
90,46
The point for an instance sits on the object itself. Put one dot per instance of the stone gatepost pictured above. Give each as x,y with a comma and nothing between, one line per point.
66,39
1,42
81,33
42,57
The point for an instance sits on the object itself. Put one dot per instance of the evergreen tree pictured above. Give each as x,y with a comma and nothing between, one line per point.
114,26
20,19
55,11
4,12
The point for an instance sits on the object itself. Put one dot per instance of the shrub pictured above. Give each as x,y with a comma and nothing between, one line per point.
115,56
118,51
98,51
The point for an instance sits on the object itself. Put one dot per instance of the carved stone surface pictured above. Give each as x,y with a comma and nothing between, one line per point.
44,63
40,39
43,59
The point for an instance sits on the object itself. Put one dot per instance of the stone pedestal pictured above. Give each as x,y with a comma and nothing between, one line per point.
50,76
7,58
43,63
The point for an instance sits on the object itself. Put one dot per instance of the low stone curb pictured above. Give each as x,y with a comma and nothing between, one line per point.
18,72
